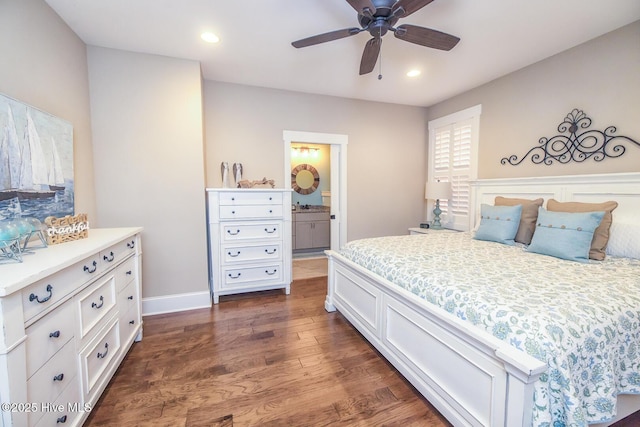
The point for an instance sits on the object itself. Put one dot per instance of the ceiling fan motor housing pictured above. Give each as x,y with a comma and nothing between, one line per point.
382,20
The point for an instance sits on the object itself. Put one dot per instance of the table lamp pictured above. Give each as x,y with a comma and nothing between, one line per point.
436,191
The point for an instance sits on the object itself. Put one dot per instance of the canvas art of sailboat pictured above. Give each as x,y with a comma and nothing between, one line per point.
36,165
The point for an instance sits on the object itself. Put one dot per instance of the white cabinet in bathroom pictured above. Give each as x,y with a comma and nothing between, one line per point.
249,240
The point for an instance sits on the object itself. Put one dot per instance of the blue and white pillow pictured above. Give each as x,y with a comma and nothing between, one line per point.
499,223
565,235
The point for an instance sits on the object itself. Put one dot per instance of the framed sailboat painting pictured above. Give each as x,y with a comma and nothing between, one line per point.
36,162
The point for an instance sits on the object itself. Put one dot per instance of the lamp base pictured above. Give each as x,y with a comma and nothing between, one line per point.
435,224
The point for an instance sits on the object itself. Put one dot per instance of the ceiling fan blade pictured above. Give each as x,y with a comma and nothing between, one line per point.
364,7
426,37
326,37
370,55
409,6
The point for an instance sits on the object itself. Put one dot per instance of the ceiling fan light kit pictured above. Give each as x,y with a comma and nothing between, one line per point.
378,17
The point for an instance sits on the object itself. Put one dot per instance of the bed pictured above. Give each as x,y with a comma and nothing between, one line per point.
463,324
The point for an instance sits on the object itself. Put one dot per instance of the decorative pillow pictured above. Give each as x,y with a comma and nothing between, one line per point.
499,223
624,240
527,219
565,235
601,235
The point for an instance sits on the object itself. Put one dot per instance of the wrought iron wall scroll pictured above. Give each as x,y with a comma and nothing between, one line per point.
571,146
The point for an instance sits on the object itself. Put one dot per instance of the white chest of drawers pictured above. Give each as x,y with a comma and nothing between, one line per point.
68,315
249,240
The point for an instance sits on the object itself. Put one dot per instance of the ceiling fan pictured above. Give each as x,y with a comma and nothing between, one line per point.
378,17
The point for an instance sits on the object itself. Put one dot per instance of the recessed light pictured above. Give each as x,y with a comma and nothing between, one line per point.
413,73
210,37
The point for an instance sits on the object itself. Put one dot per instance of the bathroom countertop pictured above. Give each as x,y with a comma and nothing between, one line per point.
311,209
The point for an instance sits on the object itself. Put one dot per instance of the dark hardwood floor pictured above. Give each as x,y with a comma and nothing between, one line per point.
262,359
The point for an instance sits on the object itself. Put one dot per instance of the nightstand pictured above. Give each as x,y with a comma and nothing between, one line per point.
417,230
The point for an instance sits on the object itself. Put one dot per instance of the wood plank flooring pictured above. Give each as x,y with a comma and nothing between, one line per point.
262,359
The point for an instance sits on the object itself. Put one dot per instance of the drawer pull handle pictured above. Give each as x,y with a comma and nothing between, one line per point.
128,272
55,334
233,255
109,258
272,230
61,420
233,212
130,297
233,234
233,198
270,211
89,270
132,244
45,299
58,377
272,273
270,252
103,355
94,305
235,277
131,322
270,198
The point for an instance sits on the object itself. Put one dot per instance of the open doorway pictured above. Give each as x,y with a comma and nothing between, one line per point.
334,146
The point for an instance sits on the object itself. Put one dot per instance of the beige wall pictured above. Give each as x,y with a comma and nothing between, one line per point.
386,149
148,159
600,77
44,64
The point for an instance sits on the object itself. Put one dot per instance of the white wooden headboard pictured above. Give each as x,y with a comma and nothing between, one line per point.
623,188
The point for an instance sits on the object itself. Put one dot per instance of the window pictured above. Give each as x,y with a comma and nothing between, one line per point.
453,157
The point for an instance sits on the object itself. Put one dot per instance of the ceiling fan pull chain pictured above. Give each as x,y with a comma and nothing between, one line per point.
380,59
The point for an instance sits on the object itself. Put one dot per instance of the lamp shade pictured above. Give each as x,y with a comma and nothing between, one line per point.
437,190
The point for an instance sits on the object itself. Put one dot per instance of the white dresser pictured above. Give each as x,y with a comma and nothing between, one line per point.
69,314
249,240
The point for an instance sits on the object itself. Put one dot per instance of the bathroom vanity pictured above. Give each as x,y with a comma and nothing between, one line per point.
311,228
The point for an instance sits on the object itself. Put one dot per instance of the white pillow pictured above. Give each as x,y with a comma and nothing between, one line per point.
624,240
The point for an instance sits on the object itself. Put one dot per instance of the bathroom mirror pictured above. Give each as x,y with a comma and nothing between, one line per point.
304,179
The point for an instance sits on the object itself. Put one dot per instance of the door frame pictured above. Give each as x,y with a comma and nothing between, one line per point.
338,143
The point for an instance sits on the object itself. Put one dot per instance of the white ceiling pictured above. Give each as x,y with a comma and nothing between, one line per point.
497,37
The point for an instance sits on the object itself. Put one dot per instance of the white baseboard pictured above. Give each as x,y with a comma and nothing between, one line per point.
176,302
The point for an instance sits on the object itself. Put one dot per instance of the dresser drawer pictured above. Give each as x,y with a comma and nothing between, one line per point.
116,253
253,276
48,335
128,297
95,303
250,212
48,382
247,197
67,407
129,323
239,231
47,292
267,252
125,273
95,357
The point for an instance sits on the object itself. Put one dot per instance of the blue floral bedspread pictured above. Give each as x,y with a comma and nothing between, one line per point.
583,320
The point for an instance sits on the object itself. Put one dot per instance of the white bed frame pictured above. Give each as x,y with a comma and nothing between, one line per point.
471,377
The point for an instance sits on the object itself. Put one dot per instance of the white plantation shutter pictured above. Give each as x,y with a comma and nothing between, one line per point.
453,142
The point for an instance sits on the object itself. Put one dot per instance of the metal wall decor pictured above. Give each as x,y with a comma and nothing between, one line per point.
571,146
